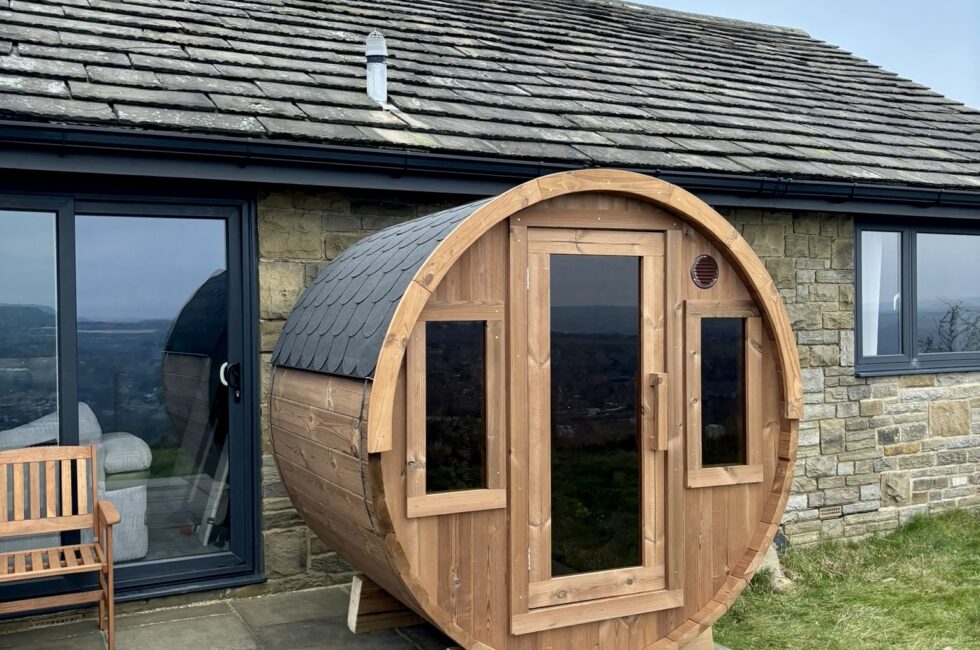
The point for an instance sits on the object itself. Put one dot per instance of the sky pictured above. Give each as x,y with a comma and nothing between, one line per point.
934,43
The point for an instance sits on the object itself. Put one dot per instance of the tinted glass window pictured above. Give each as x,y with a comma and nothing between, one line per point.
722,391
152,296
28,329
947,293
595,460
881,299
455,406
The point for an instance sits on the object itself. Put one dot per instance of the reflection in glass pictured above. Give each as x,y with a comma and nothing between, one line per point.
722,391
881,293
455,406
947,293
152,300
595,460
28,329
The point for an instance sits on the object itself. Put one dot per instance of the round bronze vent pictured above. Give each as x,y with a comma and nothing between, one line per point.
704,271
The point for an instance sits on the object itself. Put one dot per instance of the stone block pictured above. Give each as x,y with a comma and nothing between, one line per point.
280,284
871,407
821,466
842,254
334,243
782,271
841,496
285,552
916,381
949,418
820,246
902,449
870,491
269,333
797,245
766,240
824,293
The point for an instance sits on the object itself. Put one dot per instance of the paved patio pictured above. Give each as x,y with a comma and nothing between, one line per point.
316,618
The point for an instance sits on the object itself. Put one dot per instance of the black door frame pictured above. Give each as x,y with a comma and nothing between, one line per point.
242,564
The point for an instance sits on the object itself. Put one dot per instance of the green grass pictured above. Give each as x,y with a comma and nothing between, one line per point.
915,588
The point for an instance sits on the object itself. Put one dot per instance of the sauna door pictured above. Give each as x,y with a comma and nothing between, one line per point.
595,362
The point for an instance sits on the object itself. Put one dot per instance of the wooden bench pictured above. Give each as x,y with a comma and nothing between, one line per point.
51,490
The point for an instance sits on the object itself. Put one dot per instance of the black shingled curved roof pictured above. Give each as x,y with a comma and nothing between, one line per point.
340,321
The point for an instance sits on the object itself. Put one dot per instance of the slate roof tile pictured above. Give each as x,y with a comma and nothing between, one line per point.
591,82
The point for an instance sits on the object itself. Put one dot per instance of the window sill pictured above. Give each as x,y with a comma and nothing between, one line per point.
448,503
922,369
721,476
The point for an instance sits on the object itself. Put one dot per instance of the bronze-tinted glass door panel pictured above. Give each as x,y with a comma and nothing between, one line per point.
595,511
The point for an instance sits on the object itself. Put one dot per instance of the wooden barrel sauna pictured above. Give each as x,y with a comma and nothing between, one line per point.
562,417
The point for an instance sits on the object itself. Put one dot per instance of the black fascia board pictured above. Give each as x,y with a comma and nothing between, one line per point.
107,150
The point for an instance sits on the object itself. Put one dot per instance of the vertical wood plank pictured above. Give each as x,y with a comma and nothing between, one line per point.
66,497
18,491
415,413
34,471
496,406
754,390
517,454
674,345
81,472
50,489
4,496
539,415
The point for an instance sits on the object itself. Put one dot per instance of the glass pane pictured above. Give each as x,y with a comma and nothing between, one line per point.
28,330
947,293
881,293
722,391
455,406
595,459
152,335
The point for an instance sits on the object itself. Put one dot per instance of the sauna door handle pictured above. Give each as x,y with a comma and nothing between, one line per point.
658,381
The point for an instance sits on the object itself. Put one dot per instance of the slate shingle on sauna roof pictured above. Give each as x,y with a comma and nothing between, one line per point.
339,323
575,81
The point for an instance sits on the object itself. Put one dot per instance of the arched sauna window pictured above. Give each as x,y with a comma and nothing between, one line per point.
455,413
724,409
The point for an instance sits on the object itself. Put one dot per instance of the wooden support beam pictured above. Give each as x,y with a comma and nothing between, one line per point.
373,609
704,641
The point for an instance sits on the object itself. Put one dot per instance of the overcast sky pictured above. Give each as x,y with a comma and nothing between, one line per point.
934,43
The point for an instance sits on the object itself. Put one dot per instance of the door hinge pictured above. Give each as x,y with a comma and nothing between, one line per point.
527,278
528,559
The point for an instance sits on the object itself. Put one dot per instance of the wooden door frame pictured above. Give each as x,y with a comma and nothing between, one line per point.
539,601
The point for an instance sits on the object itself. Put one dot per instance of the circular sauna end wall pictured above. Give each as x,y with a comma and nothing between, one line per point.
349,421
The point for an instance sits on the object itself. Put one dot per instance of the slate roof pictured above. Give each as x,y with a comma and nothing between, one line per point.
586,82
339,323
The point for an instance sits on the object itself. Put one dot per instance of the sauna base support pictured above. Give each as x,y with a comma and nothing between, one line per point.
372,608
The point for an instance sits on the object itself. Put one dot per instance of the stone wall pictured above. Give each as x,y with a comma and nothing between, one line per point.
299,232
882,449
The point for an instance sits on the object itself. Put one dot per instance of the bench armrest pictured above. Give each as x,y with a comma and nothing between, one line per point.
108,515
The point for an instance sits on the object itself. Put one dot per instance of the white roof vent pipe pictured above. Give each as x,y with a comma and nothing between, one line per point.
377,67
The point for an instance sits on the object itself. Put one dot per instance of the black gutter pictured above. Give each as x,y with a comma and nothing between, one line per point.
62,148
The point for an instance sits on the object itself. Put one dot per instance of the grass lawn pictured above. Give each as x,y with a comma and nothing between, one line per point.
916,588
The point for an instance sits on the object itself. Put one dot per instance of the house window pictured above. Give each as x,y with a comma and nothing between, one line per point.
455,414
724,381
918,302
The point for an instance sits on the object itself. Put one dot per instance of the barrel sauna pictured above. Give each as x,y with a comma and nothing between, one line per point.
562,417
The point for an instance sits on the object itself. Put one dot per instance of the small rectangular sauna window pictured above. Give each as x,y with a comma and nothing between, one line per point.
454,414
724,399
455,406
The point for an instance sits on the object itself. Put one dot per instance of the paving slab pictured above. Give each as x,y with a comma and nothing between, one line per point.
224,632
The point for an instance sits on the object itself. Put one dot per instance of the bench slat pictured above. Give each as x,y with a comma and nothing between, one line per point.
34,472
81,467
18,492
66,508
50,489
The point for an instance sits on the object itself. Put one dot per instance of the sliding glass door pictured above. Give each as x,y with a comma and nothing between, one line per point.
128,325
